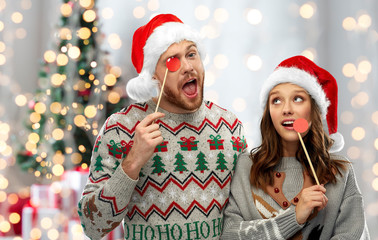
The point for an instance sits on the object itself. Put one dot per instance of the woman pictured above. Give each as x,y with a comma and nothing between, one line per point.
274,194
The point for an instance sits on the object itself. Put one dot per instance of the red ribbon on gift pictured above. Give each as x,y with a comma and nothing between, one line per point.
126,146
188,140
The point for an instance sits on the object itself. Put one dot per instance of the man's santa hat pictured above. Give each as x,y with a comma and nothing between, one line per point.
149,43
318,82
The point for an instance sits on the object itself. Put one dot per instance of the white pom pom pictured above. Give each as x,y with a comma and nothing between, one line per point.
338,144
141,88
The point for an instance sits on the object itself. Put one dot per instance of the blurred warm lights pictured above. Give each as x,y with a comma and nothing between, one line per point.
349,24
49,56
2,46
114,97
220,61
202,12
65,34
114,41
76,158
55,107
35,117
84,33
1,26
46,222
358,133
20,33
57,134
5,226
239,104
374,184
110,79
90,111
80,120
153,5
307,10
221,15
139,12
53,234
309,53
107,13
33,138
89,15
3,182
20,100
87,3
74,52
254,16
35,233
349,70
364,67
364,21
14,218
66,9
17,17
254,63
210,78
2,59
40,108
62,59
58,170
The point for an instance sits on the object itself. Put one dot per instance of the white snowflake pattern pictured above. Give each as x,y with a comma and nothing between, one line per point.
144,204
213,190
172,193
193,191
163,200
184,198
203,197
221,197
151,196
211,155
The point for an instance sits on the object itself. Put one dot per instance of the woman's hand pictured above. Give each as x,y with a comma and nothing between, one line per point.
310,198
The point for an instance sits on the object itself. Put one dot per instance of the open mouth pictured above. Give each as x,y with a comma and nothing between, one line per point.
288,124
190,88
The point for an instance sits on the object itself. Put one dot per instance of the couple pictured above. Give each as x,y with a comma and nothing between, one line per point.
167,174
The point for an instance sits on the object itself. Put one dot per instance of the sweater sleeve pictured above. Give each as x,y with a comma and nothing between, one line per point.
108,190
351,222
241,218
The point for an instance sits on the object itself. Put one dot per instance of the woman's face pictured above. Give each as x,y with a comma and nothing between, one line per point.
288,102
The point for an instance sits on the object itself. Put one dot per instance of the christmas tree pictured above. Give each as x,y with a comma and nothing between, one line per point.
221,162
98,164
158,164
180,163
77,91
201,163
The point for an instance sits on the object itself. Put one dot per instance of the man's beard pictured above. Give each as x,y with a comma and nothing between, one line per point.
180,101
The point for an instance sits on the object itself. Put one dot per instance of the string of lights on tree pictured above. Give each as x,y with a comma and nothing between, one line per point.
77,92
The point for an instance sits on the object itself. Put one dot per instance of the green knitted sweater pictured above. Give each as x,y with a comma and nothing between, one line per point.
181,191
253,214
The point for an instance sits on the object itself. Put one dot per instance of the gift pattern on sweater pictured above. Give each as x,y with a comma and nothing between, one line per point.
181,191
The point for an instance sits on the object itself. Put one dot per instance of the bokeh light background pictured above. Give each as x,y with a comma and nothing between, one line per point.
245,40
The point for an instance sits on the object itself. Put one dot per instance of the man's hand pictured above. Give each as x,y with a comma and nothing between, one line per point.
311,198
147,137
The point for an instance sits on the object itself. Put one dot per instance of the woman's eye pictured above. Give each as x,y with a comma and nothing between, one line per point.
298,99
276,101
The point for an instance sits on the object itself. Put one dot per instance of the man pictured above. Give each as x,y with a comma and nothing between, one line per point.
166,175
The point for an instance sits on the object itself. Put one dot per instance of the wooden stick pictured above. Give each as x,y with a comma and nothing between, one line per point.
308,158
161,90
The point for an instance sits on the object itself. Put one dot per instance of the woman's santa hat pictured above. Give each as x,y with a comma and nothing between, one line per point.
149,43
318,82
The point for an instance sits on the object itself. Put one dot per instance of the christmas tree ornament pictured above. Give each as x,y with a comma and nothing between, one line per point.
301,126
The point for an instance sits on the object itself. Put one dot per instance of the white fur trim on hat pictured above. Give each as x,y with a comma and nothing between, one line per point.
298,77
142,88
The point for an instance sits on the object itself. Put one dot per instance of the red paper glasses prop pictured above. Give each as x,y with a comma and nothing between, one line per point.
301,126
173,64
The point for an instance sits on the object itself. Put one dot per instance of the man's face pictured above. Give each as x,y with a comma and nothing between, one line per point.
183,90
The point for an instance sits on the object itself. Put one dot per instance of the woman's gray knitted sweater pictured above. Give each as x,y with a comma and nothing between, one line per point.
253,214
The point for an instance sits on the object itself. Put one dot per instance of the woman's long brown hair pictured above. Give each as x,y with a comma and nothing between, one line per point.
268,155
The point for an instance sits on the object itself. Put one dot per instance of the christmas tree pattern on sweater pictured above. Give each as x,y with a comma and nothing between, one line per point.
187,178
